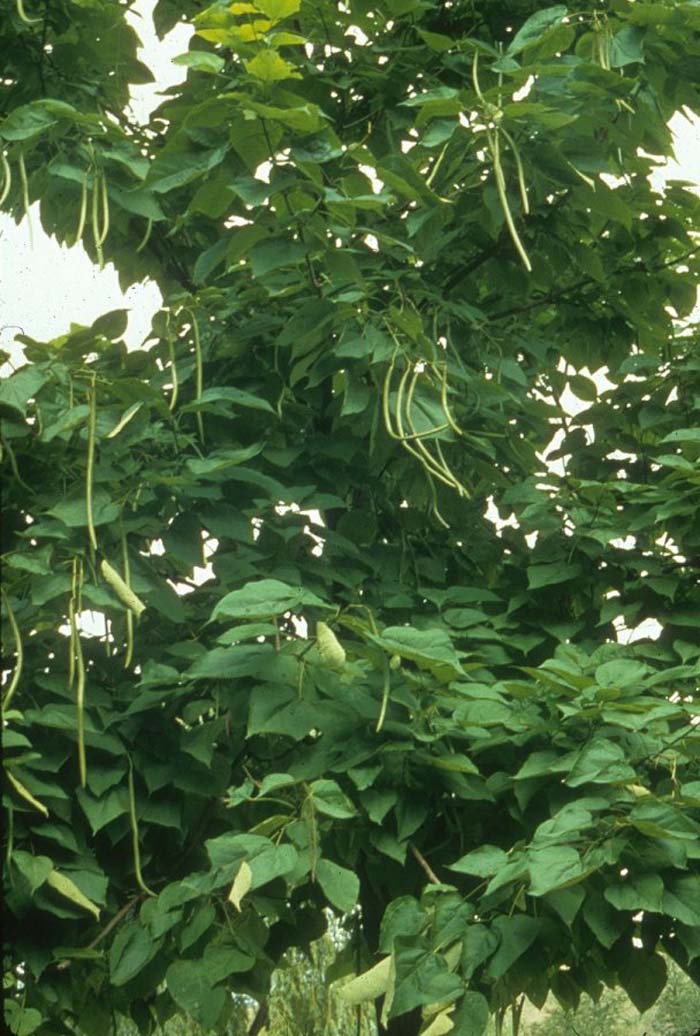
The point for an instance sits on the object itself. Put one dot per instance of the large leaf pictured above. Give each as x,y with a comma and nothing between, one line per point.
264,598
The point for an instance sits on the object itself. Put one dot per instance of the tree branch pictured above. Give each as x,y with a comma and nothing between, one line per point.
432,876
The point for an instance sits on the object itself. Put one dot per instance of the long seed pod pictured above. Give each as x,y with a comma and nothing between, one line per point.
25,793
129,612
459,486
83,210
419,450
429,432
23,16
385,694
135,835
25,193
104,201
386,412
521,174
173,366
6,177
80,704
19,652
95,218
434,507
72,624
10,836
146,237
308,813
198,371
90,463
445,404
503,198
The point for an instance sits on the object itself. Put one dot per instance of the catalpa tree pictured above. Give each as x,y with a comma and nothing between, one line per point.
394,240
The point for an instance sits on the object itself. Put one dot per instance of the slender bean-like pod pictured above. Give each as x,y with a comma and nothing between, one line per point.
438,162
25,793
173,366
10,837
25,193
104,201
13,464
72,625
475,76
90,464
6,177
309,815
198,370
521,174
23,16
429,431
459,486
388,424
95,219
146,237
419,450
503,198
493,144
435,509
444,402
135,835
80,705
83,210
129,613
19,652
386,690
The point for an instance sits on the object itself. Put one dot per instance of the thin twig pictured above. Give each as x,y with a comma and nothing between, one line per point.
120,914
418,855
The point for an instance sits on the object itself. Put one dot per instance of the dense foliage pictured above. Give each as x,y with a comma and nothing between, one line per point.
392,238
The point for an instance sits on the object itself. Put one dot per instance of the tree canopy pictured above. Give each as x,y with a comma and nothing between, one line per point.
394,240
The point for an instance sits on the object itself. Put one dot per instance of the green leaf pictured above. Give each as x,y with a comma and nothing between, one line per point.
129,953
73,512
269,67
550,574
69,890
21,1020
602,762
682,435
422,977
483,862
189,985
637,893
472,1015
516,935
340,885
276,10
35,870
553,868
627,47
643,977
200,61
430,649
623,672
229,398
264,598
17,390
329,799
535,27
